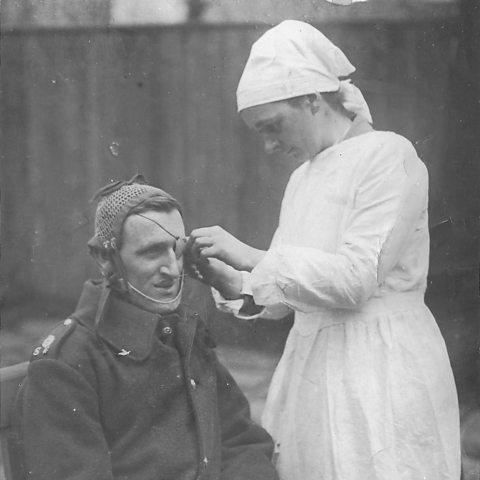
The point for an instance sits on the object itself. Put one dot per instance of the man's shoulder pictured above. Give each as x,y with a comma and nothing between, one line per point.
66,339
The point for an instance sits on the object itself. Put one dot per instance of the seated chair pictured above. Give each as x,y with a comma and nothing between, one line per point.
10,379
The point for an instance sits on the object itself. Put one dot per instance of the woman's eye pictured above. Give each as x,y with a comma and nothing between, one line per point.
272,128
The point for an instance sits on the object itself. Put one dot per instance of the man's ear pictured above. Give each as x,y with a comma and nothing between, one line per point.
103,260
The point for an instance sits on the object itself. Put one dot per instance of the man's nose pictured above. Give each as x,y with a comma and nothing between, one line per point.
171,265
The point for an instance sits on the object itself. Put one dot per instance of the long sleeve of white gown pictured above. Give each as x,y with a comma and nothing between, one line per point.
273,311
390,195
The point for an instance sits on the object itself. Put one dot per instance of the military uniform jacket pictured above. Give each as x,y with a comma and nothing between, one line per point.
138,397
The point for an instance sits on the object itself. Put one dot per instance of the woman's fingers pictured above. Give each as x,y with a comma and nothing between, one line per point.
207,232
202,242
208,252
202,248
215,242
206,241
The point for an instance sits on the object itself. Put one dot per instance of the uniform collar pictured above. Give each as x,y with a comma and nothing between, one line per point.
128,328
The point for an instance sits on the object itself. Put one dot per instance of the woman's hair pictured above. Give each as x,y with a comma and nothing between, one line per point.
333,99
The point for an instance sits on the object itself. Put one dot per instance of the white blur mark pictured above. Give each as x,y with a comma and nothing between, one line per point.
345,2
114,148
128,12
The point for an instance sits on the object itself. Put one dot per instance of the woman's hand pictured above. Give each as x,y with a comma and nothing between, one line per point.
215,242
215,273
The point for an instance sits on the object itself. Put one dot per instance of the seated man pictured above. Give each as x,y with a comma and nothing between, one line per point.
129,387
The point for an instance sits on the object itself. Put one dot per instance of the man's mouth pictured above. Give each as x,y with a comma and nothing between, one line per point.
166,285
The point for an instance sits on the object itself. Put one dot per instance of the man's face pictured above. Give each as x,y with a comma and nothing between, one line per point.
148,253
285,128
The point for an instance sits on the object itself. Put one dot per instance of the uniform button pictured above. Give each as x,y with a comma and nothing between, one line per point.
193,383
167,330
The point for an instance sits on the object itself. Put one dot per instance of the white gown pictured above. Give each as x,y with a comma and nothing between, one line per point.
364,389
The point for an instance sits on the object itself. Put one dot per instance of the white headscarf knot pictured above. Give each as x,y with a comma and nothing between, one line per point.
353,101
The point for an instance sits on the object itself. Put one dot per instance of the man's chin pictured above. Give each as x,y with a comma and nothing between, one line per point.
164,294
158,300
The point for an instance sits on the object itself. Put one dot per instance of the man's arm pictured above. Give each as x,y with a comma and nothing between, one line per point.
60,433
247,448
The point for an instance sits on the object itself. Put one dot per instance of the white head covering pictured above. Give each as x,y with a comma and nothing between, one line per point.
294,59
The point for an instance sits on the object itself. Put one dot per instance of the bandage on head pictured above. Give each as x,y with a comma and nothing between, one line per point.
180,242
116,201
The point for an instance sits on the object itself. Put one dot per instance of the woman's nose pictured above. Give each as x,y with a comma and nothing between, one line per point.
271,145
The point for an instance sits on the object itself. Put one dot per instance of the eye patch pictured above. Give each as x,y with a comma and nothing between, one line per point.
180,242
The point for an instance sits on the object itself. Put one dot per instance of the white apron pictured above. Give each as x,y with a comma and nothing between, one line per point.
364,389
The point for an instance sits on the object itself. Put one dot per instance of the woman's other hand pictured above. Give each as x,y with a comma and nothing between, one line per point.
215,242
215,273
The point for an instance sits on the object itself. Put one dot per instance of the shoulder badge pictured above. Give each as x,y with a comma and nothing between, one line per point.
54,339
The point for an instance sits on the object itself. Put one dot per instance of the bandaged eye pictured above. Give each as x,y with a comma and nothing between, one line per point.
180,244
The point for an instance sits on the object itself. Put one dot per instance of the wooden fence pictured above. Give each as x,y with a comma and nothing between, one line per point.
81,107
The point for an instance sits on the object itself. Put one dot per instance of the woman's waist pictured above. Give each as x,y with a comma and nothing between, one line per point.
384,305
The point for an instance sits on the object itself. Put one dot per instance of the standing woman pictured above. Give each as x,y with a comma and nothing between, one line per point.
364,389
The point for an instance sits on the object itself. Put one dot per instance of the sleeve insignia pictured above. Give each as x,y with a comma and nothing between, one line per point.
47,343
55,338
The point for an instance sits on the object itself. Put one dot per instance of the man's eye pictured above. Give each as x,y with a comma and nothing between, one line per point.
152,253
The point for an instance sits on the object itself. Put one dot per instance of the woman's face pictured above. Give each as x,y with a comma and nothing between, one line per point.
291,128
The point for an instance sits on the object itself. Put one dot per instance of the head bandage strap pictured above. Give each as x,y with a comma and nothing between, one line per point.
116,202
180,242
160,302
